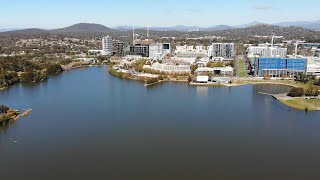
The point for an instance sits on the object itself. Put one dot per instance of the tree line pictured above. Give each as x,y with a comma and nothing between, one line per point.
19,69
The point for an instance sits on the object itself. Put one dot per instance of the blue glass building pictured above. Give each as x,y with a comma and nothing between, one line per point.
279,67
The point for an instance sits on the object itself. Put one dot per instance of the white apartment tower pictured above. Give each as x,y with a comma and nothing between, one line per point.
225,50
107,45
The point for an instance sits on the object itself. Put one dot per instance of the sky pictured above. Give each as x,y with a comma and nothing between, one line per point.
50,14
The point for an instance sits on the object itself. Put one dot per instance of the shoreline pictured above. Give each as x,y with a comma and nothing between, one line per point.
295,103
299,103
3,88
265,82
64,69
237,83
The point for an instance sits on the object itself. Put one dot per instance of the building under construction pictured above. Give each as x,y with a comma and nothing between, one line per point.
140,46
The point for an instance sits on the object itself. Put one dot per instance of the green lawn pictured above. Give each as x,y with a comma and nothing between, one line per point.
302,104
241,68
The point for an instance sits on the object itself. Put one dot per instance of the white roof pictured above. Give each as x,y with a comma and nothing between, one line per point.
207,69
202,78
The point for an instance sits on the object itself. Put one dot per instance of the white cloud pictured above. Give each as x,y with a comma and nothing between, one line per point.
193,11
262,7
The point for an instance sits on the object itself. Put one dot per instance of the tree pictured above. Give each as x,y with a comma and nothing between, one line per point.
54,69
190,78
138,66
317,83
194,68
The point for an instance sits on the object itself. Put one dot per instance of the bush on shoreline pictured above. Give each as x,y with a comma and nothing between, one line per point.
312,91
296,92
152,80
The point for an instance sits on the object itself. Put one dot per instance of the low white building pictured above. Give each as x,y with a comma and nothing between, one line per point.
202,79
190,52
188,61
226,71
202,62
169,68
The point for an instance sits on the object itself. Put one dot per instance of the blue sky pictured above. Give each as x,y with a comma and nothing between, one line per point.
61,13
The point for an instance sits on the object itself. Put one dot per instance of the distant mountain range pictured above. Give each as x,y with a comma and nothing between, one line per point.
8,29
98,28
242,34
314,25
77,28
84,27
178,28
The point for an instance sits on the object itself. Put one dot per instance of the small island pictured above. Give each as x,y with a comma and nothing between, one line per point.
8,115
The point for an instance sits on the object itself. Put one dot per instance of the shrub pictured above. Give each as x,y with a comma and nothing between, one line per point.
312,91
26,77
152,80
3,109
296,92
54,68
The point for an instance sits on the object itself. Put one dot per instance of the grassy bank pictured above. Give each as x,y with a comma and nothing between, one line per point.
278,82
207,84
241,68
303,104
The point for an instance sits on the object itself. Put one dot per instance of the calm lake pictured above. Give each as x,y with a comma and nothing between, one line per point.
87,124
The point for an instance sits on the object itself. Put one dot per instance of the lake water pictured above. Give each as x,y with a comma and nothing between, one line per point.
87,124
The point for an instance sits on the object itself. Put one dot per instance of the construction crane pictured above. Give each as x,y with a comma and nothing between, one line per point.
272,43
296,49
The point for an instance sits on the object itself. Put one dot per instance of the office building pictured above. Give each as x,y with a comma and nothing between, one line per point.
279,67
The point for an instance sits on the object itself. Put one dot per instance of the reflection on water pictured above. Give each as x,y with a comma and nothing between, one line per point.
271,88
87,124
202,90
